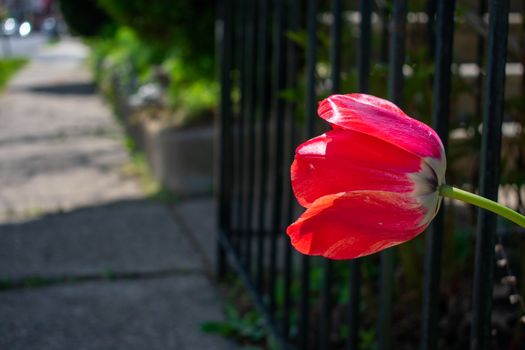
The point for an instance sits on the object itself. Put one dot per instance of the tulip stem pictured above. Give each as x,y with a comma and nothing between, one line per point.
482,202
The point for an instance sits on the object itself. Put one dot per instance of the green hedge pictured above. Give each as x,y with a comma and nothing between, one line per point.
188,24
143,36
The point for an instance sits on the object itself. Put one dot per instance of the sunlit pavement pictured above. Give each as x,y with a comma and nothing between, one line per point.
86,262
21,46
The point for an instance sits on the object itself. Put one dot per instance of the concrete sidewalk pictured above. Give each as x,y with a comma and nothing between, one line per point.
86,262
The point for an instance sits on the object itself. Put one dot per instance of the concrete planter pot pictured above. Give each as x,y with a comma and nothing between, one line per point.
180,158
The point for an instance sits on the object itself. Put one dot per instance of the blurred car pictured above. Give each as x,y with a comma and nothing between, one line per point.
50,27
24,29
11,27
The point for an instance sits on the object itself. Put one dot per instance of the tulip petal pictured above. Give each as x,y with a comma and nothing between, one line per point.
346,160
384,120
353,224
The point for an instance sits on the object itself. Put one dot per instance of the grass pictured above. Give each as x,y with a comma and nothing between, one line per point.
8,67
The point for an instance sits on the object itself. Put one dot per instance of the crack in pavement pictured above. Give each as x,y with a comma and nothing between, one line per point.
33,282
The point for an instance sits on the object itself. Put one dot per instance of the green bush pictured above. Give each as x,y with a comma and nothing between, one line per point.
124,51
170,43
187,25
191,91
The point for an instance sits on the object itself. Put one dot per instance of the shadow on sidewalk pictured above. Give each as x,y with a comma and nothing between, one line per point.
82,88
116,275
128,236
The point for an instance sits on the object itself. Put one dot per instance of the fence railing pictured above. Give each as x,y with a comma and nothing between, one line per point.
267,54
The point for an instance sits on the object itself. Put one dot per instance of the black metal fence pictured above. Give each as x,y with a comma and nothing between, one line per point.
268,60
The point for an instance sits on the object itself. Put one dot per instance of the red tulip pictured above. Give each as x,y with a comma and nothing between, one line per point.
368,184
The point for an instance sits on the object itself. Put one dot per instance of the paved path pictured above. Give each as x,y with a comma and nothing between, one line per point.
15,46
85,261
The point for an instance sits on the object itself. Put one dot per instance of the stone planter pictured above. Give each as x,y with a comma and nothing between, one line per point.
180,158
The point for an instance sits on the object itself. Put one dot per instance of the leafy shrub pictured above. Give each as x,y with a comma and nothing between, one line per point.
188,25
190,90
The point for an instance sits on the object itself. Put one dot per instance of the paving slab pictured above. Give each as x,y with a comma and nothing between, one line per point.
60,148
198,216
157,314
121,237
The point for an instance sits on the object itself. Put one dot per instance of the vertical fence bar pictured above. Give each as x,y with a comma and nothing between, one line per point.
480,51
354,303
311,52
365,40
385,20
440,115
326,308
363,62
277,202
489,175
239,144
335,66
431,27
263,102
249,130
395,89
310,111
522,33
292,63
225,148
335,45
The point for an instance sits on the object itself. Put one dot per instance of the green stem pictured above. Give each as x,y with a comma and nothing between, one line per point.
482,202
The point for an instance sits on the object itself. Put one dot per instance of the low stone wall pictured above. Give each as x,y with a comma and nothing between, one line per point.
180,158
